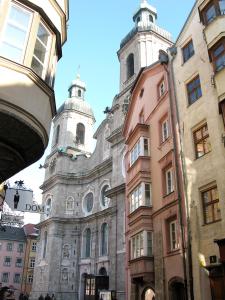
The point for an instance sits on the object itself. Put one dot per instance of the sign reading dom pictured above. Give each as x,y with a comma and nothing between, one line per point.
18,198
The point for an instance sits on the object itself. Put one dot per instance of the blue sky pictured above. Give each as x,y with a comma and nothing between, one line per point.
94,33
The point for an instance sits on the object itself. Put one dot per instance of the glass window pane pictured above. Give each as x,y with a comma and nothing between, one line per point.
15,36
222,7
11,52
19,16
43,34
39,51
210,13
37,66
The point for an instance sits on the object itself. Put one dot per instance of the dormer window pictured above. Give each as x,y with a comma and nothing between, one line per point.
151,18
130,65
79,93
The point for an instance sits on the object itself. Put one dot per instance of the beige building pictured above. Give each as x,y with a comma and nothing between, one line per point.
198,62
31,37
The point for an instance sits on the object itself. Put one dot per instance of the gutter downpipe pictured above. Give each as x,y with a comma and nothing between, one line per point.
171,78
170,73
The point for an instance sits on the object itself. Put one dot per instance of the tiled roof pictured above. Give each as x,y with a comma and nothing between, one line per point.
12,234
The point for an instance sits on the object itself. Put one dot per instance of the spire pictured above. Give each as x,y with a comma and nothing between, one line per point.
145,14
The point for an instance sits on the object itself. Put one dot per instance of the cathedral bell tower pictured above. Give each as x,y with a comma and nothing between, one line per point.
73,124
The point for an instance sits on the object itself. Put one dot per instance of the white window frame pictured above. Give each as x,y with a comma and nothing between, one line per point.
139,149
30,278
17,278
162,88
7,263
138,196
8,21
169,181
173,235
165,130
34,246
19,265
44,64
140,243
32,262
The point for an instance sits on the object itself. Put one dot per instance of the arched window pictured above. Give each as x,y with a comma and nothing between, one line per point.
48,206
102,271
149,294
64,274
130,65
45,243
57,134
87,243
138,19
80,134
104,199
104,239
151,18
69,205
88,202
79,93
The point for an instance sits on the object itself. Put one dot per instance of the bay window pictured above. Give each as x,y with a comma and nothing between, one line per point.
141,244
141,148
217,54
212,10
140,196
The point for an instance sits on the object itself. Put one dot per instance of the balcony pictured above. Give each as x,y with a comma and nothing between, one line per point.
142,267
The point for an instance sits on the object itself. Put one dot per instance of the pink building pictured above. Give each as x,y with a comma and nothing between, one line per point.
155,226
12,250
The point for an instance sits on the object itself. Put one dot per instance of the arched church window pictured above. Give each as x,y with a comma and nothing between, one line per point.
45,244
104,239
104,199
102,271
87,243
130,65
48,206
151,18
88,202
57,134
80,134
79,93
149,294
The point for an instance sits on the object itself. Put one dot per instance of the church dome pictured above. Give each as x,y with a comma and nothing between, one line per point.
76,104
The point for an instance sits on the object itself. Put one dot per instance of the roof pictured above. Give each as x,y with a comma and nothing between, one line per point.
30,230
13,234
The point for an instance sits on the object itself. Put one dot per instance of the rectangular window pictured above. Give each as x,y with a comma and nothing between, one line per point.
19,262
20,248
211,208
7,261
141,148
194,90
188,51
16,32
17,278
34,246
169,181
32,262
9,247
140,196
165,130
218,55
149,244
30,278
161,88
41,51
212,10
5,277
201,141
142,244
173,235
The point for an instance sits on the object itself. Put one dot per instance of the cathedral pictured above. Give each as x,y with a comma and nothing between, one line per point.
82,235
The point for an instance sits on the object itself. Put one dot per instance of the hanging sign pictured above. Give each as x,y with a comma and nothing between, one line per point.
18,198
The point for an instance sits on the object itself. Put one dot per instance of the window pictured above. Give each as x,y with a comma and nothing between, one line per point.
188,51
194,90
48,206
104,240
32,262
45,244
217,54
104,199
57,134
173,235
7,261
130,65
16,33
5,277
141,148
161,88
201,141
34,246
70,205
80,134
19,262
141,92
169,181
20,248
211,208
88,202
165,130
142,244
17,278
87,243
9,247
151,18
30,278
41,51
212,10
79,93
140,196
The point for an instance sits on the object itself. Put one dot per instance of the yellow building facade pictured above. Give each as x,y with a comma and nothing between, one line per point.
198,63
